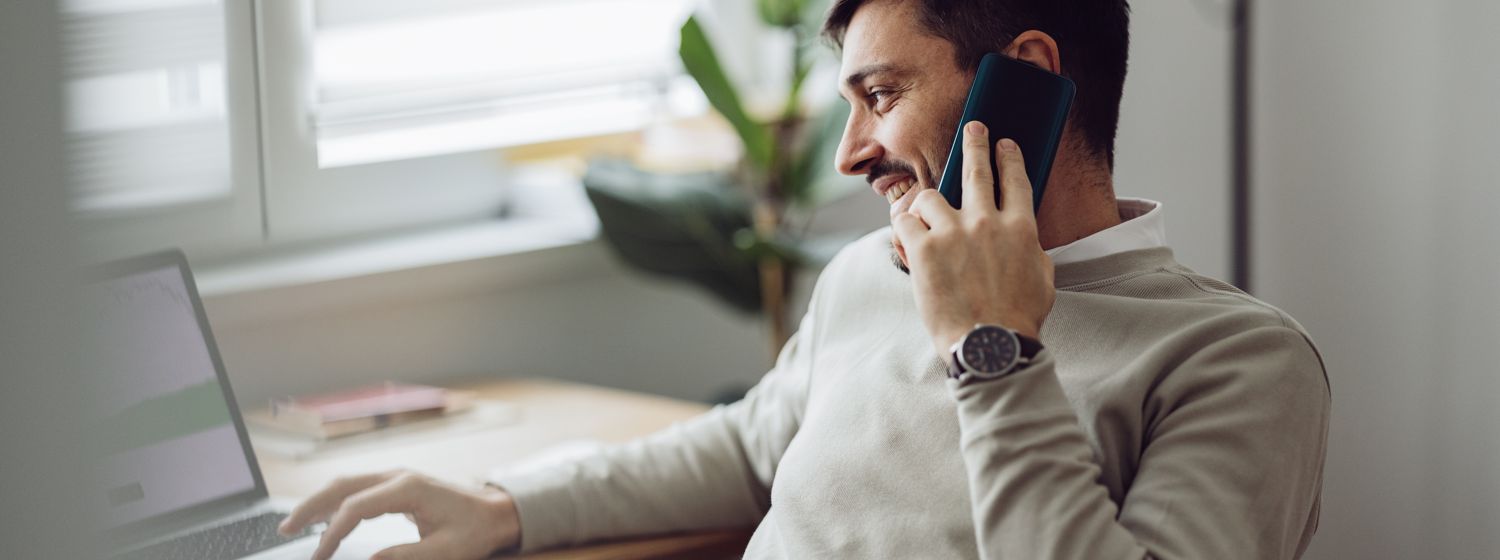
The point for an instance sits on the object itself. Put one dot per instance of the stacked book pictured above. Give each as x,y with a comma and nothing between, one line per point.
364,409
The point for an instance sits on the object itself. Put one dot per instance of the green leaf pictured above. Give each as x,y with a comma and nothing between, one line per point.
680,226
780,13
702,64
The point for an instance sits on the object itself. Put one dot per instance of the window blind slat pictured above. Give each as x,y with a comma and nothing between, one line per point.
475,68
111,43
147,102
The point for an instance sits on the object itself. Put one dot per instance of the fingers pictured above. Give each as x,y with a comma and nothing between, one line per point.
326,501
979,182
391,496
1014,185
934,210
409,551
908,228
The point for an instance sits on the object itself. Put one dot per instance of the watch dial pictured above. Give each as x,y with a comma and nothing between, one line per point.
989,349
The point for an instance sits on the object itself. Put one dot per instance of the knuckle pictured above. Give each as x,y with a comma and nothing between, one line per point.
985,222
409,480
1012,223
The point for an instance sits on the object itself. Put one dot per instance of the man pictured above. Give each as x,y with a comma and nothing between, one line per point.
1093,400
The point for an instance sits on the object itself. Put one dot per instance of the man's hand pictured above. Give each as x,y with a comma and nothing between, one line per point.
978,264
453,522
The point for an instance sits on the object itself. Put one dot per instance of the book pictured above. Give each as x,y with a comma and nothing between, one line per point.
359,410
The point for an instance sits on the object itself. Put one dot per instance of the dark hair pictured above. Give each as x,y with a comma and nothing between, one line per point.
1093,39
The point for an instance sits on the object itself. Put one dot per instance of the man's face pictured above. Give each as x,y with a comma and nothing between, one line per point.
906,96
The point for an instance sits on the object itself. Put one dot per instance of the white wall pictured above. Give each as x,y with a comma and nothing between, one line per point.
1174,138
1376,135
573,313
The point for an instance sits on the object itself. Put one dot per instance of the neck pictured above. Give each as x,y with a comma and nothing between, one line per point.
1079,201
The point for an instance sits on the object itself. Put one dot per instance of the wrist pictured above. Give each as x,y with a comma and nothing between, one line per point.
505,519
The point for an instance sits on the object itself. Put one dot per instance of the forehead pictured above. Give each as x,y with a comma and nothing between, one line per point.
885,33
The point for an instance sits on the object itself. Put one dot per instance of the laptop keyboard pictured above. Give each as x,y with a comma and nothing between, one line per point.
230,540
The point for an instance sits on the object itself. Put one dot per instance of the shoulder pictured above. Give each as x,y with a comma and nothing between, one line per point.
1191,323
862,281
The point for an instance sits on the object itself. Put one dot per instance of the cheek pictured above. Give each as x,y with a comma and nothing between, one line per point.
908,138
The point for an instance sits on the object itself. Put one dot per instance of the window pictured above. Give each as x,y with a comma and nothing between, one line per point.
160,122
382,114
226,126
399,79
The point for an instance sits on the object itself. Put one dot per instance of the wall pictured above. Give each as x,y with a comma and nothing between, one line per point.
1375,135
42,406
573,313
1173,144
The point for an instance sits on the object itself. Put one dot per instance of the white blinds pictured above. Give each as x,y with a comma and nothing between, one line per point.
407,78
146,111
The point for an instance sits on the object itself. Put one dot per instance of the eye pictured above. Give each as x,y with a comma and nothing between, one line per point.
881,98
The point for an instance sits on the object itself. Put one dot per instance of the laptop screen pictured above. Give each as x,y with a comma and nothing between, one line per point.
170,439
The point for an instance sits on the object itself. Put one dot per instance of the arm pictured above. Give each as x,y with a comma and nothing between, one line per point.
710,472
1234,459
1232,468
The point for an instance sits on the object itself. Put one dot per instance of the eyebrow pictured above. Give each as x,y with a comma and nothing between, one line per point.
859,76
863,74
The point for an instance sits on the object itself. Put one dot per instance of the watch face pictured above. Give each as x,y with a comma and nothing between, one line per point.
990,349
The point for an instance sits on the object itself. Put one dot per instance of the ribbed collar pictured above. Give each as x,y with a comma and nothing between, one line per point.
1080,275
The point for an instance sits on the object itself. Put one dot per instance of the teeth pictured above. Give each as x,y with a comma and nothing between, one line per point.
896,191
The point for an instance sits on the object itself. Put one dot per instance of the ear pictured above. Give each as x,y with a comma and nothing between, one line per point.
1037,48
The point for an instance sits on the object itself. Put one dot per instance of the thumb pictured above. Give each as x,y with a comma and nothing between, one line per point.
410,551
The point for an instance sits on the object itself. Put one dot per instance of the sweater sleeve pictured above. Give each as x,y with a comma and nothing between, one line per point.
1231,465
713,471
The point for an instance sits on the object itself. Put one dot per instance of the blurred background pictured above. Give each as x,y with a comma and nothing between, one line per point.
608,192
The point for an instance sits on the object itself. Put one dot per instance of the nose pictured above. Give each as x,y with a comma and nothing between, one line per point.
857,149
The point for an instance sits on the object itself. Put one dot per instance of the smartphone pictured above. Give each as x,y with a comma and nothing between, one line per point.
1015,100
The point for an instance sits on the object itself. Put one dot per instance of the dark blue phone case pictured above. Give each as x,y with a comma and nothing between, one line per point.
1015,100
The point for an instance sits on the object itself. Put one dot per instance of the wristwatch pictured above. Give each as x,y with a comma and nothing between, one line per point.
991,352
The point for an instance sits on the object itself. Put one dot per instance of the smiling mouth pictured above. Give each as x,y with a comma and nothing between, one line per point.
894,193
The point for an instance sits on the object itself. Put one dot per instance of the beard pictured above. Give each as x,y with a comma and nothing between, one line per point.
896,260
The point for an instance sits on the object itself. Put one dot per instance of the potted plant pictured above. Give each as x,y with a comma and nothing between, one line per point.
737,232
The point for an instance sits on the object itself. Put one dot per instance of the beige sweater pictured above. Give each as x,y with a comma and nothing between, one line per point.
1170,416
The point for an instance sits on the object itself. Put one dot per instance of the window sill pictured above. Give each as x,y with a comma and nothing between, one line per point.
432,264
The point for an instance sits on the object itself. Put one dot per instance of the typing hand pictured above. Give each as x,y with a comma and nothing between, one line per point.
453,522
978,264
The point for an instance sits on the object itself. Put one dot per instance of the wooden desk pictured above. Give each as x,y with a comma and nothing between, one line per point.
552,412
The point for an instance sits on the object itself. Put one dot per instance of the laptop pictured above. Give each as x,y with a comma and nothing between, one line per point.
178,477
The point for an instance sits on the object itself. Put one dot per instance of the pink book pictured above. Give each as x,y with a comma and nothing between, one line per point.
373,400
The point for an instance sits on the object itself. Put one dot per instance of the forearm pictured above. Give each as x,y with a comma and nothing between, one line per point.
1229,464
693,475
1032,479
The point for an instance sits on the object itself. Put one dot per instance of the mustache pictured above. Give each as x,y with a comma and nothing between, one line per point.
887,167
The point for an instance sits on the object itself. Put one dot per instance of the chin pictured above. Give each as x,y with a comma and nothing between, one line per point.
896,260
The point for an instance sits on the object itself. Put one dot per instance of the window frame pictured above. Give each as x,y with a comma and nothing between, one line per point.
222,224
305,202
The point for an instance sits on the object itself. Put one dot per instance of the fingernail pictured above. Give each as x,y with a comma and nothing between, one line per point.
975,127
1008,145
